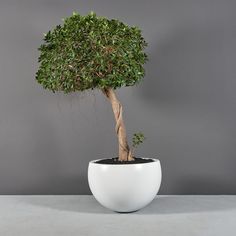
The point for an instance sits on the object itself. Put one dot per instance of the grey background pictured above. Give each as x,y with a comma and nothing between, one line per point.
186,105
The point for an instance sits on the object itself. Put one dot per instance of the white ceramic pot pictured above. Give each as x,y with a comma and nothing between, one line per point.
124,187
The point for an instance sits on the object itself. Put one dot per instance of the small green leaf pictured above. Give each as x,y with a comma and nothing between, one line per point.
138,138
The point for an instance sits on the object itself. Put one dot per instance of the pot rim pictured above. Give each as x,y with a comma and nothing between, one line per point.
154,161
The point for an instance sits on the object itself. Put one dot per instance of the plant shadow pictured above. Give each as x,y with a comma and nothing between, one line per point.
160,205
69,203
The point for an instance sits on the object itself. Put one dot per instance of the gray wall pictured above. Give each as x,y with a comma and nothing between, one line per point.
186,105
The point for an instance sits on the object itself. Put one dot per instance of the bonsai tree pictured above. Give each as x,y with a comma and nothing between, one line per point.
91,52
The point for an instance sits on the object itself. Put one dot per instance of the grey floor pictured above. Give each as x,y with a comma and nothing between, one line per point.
82,216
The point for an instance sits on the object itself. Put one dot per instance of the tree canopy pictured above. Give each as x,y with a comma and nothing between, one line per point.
88,52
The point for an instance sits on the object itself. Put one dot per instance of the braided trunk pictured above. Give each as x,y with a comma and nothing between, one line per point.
124,150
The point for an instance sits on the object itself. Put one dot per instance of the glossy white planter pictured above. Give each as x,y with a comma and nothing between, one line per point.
126,187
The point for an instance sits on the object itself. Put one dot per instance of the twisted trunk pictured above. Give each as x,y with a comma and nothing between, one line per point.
124,150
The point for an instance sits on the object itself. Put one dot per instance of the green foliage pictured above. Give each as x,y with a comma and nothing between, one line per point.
138,138
88,52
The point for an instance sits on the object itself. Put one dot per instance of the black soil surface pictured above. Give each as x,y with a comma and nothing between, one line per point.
115,161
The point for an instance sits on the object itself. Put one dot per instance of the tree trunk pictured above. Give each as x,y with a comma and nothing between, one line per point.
124,151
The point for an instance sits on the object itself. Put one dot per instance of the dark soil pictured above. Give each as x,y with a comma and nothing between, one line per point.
114,161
